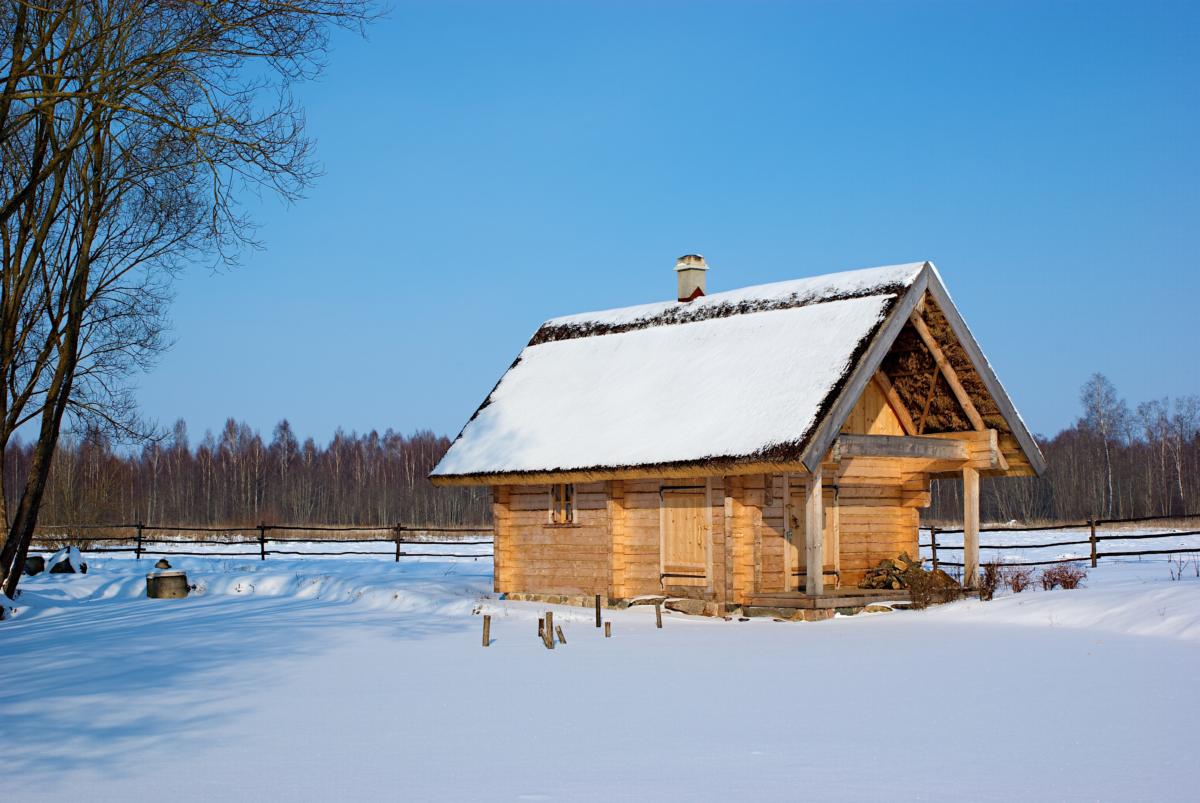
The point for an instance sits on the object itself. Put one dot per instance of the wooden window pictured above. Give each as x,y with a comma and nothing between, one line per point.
562,503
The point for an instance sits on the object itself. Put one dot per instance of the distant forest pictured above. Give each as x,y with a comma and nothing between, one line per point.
1114,462
237,478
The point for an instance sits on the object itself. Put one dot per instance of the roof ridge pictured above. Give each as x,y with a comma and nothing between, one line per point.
787,294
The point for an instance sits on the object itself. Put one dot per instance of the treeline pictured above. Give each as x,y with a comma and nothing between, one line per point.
1114,462
237,478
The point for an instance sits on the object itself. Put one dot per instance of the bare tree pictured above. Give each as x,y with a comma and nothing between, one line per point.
126,132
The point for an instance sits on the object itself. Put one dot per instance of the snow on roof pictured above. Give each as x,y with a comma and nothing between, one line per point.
740,374
777,295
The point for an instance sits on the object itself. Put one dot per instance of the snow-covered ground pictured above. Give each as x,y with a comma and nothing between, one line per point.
364,679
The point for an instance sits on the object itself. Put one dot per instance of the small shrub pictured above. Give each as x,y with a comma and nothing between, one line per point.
1063,575
1018,579
989,581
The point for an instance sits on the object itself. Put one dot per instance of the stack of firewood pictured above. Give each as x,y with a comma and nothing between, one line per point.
889,573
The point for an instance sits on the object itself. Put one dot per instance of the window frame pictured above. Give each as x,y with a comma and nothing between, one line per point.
561,507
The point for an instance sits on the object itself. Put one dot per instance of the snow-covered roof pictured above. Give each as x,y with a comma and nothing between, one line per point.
743,374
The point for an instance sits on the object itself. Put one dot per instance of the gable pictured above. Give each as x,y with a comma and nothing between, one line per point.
954,390
872,415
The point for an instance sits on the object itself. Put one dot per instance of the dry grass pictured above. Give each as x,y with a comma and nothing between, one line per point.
1064,575
1017,579
989,581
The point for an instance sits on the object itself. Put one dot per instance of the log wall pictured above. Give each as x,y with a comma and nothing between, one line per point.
613,548
533,555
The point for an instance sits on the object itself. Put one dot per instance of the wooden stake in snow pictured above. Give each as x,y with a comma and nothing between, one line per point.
658,615
608,629
597,610
1092,538
487,629
541,628
561,637
549,631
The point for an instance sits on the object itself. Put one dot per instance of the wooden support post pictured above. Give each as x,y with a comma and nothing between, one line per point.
138,549
933,546
789,541
814,535
658,615
1092,539
487,629
561,637
597,610
608,629
970,527
262,542
549,632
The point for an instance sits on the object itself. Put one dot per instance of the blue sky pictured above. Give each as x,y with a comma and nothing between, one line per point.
489,165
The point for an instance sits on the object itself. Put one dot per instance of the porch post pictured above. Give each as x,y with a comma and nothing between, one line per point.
970,527
814,535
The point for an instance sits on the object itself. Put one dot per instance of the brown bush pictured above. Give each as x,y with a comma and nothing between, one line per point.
1018,579
989,581
1064,575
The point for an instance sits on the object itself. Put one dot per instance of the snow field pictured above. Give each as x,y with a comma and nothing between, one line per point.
363,679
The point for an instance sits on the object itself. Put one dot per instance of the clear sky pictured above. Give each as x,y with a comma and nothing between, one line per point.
492,164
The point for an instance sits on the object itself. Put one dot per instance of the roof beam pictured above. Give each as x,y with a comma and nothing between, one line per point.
948,371
900,447
933,375
984,448
897,404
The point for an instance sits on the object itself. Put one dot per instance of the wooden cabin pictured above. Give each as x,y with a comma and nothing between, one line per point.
761,446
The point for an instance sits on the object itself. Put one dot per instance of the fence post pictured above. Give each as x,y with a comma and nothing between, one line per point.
262,541
933,546
138,549
1092,539
597,610
397,529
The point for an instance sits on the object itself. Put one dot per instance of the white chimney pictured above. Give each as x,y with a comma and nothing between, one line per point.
689,270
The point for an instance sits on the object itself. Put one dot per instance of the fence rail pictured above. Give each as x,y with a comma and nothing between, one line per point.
137,541
1093,541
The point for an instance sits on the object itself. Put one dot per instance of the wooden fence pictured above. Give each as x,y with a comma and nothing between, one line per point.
1094,541
136,541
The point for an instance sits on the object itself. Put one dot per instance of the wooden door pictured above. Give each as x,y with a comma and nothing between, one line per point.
795,526
684,537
